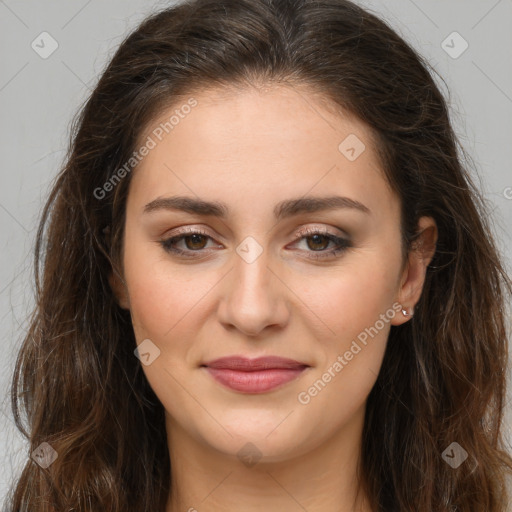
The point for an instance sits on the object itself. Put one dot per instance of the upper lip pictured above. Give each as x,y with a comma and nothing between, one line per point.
260,363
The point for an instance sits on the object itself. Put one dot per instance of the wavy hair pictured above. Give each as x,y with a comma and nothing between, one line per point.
76,383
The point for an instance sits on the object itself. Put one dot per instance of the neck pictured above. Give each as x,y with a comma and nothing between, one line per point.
323,479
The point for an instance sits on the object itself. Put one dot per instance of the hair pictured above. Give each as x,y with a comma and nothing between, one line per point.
77,385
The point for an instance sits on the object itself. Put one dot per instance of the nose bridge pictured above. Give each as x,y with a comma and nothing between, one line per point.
253,299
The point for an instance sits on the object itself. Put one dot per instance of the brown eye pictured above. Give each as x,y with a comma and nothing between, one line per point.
318,245
188,244
196,241
320,242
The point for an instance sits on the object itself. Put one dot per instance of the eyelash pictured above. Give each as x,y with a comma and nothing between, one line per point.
342,244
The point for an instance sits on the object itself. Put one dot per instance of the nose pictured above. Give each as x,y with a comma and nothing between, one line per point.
253,298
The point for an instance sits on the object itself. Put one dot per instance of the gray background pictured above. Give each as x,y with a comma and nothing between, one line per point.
38,98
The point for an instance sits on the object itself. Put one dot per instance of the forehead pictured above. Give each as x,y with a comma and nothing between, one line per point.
265,141
247,116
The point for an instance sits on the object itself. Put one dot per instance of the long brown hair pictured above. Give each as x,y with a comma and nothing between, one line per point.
77,384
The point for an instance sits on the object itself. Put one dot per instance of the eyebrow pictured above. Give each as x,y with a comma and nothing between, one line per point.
282,210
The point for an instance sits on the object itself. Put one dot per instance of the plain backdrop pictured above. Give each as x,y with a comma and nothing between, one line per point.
469,43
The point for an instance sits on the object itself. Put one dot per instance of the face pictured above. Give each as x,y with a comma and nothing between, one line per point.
262,226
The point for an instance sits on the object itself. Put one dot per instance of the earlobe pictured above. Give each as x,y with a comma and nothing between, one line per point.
413,277
119,289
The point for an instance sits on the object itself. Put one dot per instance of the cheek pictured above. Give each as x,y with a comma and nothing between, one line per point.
357,308
162,296
353,296
356,303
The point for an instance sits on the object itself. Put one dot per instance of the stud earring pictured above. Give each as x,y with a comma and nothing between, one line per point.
408,311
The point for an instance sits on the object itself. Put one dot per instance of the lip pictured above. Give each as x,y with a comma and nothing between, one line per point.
254,375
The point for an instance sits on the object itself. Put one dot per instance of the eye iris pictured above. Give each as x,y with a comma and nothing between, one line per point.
196,239
318,240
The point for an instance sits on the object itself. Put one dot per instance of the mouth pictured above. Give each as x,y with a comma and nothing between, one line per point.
254,375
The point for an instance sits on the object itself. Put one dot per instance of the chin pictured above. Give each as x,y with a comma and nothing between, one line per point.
261,435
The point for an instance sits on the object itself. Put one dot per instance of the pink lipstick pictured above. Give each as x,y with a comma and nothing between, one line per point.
254,375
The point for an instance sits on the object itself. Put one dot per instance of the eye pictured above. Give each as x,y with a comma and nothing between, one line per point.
193,240
194,243
318,241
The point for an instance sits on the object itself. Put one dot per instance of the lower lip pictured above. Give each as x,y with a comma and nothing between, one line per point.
254,382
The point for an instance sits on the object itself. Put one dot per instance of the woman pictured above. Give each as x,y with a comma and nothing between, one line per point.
265,280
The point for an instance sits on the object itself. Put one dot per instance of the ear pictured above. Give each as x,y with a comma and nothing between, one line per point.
118,286
413,275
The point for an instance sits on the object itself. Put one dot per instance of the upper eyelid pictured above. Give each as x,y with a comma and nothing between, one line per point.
301,233
297,236
193,231
316,231
182,233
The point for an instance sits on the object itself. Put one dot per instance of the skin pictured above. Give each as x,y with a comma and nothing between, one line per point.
252,148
